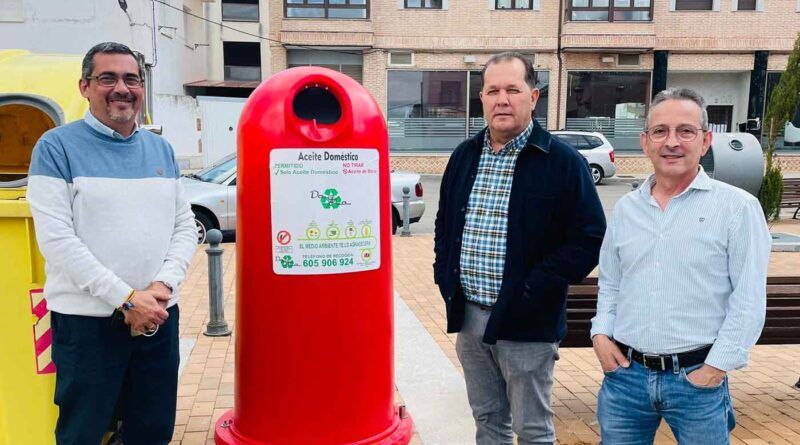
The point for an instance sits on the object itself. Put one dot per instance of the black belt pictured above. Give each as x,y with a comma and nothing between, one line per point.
664,362
482,307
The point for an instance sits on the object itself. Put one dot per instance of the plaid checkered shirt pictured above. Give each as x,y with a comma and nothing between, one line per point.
483,244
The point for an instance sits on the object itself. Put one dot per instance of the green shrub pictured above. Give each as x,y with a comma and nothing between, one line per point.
783,102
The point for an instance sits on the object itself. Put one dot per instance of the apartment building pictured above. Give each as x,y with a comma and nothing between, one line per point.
598,62
170,38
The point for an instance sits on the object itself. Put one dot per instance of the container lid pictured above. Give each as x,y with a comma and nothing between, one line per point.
21,125
39,92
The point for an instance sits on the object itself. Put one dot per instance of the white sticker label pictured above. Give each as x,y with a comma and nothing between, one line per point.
325,210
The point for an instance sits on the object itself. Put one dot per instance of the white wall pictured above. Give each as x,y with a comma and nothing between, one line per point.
72,27
718,89
178,116
220,121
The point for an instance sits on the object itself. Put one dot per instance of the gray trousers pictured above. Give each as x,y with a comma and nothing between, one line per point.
509,384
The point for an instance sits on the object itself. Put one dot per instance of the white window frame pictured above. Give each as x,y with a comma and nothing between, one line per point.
535,6
401,4
715,6
759,6
399,65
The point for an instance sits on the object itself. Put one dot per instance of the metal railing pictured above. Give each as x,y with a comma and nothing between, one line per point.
426,134
623,134
476,124
437,127
434,134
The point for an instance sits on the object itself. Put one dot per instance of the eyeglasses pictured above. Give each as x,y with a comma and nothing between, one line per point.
110,80
684,133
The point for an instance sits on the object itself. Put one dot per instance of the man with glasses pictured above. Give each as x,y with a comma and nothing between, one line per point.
117,236
682,297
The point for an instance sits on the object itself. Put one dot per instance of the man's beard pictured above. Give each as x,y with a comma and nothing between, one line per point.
124,116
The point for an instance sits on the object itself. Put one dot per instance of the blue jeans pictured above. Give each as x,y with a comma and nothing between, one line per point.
632,402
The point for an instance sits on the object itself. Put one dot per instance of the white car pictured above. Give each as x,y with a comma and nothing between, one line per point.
212,194
595,148
791,133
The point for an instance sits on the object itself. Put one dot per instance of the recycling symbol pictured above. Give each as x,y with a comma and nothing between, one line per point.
287,262
331,199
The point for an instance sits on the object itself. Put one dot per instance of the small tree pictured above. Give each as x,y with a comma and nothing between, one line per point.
782,104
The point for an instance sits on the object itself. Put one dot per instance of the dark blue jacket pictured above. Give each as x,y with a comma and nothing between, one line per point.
555,229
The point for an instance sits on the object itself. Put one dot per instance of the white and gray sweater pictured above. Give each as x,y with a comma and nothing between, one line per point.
110,216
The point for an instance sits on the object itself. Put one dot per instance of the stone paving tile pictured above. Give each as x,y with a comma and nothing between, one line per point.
767,405
765,401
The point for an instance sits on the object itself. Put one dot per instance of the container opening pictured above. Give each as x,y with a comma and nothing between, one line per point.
21,125
317,103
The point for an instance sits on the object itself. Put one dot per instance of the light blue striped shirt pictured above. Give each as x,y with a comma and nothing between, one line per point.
689,276
483,249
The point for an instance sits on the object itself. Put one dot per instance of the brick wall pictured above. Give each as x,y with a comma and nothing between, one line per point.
698,41
773,29
711,62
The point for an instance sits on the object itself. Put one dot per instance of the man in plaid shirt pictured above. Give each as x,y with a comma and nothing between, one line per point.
519,219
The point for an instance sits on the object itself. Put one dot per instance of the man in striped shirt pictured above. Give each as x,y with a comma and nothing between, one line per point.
518,219
682,295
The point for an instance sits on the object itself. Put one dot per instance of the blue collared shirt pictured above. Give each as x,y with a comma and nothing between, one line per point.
689,276
104,129
483,247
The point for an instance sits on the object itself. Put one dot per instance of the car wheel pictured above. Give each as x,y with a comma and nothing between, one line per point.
204,224
395,219
597,174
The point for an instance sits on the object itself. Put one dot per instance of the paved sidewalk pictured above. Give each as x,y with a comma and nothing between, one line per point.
767,405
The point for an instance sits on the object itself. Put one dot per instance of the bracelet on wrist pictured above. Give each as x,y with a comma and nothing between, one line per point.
128,304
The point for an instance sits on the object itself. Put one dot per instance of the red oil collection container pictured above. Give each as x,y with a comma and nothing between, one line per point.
314,317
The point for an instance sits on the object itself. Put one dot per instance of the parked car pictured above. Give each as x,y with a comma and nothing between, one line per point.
791,133
212,194
595,148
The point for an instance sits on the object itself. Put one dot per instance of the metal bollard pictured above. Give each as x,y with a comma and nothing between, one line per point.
216,327
406,231
634,185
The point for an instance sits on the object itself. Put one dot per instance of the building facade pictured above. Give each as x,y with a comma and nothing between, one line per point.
167,33
598,62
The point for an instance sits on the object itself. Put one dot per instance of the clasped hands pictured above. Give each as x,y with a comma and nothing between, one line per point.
149,308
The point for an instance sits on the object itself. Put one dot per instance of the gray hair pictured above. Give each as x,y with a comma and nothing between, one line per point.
680,93
87,67
530,73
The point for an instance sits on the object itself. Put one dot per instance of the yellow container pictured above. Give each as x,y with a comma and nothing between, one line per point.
37,92
27,374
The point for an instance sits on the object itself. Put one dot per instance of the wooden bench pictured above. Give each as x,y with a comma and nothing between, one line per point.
782,325
791,195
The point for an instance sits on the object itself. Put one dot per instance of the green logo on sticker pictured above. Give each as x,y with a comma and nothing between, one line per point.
287,262
330,199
